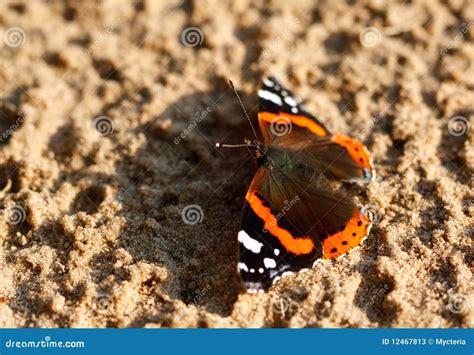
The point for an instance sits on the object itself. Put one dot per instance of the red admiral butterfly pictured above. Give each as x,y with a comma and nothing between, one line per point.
293,216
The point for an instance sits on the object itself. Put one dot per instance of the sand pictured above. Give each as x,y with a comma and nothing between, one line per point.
108,120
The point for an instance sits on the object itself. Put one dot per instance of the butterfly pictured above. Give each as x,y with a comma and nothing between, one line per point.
293,216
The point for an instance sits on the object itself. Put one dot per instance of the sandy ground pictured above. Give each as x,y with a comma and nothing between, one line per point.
109,113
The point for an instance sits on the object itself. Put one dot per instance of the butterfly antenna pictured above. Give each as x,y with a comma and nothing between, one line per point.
220,145
243,108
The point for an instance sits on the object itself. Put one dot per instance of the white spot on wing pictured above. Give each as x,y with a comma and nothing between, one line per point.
291,101
268,82
269,263
261,270
249,243
294,110
267,95
277,252
243,267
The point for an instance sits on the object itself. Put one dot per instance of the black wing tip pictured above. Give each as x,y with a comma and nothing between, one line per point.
271,79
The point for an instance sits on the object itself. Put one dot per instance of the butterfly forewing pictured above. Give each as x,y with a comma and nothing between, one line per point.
284,121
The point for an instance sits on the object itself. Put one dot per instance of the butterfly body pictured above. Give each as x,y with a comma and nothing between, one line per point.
293,215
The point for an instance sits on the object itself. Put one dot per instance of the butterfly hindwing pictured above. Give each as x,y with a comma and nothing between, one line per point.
292,217
263,259
267,250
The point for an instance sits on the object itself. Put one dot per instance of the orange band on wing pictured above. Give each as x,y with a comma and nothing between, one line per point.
301,121
297,246
356,150
340,243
